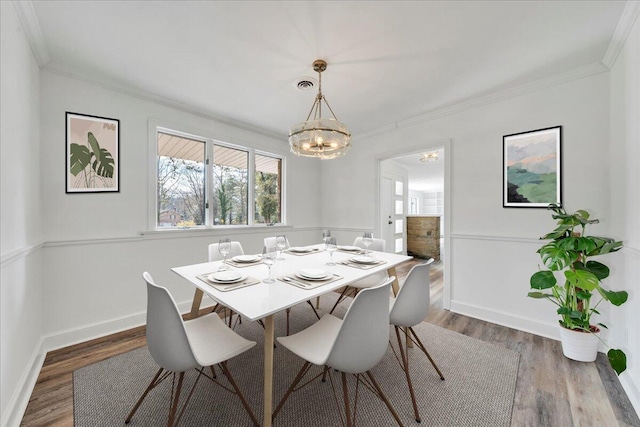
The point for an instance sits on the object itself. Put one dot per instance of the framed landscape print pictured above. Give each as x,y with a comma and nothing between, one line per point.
532,175
92,145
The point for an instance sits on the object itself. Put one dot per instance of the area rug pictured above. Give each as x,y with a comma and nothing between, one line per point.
478,390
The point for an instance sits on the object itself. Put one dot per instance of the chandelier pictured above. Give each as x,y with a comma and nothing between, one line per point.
431,156
324,138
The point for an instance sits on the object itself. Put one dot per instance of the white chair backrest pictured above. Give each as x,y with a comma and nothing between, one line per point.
412,303
364,334
166,337
377,245
215,255
271,241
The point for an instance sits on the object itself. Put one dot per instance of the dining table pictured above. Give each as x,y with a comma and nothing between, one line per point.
261,301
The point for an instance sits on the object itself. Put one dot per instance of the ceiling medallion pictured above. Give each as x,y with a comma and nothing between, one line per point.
324,138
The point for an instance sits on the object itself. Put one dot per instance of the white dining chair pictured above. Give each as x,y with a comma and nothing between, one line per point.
353,345
367,282
178,346
215,255
408,309
271,241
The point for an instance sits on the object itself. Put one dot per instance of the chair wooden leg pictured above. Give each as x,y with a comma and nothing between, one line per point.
384,398
340,299
154,382
424,350
314,309
293,385
176,399
288,310
345,395
404,355
225,370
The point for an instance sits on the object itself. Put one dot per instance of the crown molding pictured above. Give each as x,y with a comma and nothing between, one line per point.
167,102
31,27
575,74
628,18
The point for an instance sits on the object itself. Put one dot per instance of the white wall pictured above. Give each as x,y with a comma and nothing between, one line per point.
20,285
624,169
493,248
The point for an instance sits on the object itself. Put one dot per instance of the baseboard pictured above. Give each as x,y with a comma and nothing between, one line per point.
508,320
20,398
632,389
101,329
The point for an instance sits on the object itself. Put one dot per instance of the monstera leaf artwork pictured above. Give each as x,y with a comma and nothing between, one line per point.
91,166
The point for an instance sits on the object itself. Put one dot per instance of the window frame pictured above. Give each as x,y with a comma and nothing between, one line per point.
156,127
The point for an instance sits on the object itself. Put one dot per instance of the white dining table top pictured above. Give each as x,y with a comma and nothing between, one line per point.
257,301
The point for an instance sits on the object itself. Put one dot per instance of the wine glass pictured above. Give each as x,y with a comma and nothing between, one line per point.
331,248
367,240
269,253
281,244
224,247
326,233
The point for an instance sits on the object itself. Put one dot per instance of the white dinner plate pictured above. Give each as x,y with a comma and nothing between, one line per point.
350,248
313,274
300,249
228,276
364,260
246,258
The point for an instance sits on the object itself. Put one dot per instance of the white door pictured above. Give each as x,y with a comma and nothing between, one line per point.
392,213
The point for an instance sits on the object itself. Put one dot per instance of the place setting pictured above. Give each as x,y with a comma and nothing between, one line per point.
242,261
228,280
302,250
364,262
310,278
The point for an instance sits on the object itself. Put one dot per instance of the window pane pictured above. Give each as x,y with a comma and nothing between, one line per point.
181,184
399,225
268,190
399,244
230,186
398,207
399,185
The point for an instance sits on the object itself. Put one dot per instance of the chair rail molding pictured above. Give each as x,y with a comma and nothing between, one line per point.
22,252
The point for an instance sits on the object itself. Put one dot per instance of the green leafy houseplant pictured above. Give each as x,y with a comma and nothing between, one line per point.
569,251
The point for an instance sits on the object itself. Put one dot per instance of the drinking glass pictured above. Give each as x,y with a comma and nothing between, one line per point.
224,247
331,248
269,253
281,244
367,240
326,233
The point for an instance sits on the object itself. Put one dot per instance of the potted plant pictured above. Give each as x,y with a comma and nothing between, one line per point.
570,251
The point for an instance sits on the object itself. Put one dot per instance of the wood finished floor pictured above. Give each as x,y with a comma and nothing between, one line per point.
551,390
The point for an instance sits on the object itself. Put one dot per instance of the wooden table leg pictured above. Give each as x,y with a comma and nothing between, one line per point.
268,370
195,305
395,286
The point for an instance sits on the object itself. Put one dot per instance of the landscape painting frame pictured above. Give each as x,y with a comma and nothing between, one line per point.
92,154
532,168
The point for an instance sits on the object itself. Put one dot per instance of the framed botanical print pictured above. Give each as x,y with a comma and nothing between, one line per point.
532,168
92,154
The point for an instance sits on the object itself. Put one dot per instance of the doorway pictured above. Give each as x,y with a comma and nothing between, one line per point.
413,204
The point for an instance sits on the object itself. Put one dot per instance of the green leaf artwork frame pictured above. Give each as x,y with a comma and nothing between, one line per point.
532,168
92,154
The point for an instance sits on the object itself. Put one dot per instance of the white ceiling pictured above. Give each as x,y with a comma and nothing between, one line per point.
388,60
424,176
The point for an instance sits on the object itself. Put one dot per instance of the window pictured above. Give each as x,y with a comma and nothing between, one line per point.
203,183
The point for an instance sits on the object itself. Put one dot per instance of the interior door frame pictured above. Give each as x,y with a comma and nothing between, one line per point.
430,145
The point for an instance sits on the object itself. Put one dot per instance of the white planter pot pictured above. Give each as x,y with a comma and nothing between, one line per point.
580,346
